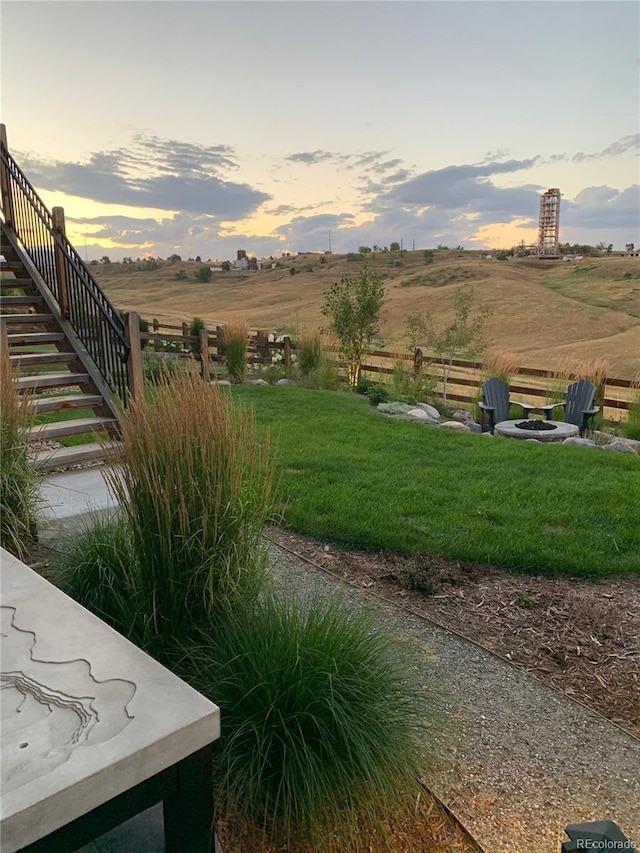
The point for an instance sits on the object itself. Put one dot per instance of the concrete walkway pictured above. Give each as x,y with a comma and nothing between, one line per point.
523,760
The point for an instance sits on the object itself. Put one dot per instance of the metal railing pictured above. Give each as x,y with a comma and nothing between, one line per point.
81,300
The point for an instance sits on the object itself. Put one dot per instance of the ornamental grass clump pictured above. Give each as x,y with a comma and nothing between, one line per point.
324,720
97,566
195,487
234,338
309,353
19,489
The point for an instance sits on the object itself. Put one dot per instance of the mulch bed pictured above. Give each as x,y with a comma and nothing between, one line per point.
429,828
580,636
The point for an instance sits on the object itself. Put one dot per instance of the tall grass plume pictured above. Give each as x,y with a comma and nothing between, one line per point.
235,336
19,483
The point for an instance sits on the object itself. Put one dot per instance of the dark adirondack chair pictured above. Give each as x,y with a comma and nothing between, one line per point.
578,406
496,403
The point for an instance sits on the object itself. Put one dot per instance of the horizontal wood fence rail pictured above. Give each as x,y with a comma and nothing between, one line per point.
612,399
464,381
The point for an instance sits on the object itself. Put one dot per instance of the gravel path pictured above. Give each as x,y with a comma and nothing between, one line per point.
523,760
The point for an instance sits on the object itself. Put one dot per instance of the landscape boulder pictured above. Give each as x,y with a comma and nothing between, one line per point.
430,410
285,382
620,446
456,426
420,414
580,442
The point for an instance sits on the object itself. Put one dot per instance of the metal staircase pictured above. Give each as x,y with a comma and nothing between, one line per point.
72,350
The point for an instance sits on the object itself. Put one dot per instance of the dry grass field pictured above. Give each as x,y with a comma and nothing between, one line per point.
549,314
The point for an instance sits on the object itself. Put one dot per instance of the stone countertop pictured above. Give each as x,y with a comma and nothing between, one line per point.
86,715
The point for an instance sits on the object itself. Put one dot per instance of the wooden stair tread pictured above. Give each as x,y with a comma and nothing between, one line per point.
78,426
33,359
26,299
45,405
35,338
11,283
51,380
44,460
27,319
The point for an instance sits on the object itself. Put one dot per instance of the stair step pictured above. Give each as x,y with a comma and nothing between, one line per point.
21,301
30,359
11,283
51,380
27,319
44,460
9,266
45,405
35,338
59,429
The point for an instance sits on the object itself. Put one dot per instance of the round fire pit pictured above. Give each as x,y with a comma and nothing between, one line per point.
540,430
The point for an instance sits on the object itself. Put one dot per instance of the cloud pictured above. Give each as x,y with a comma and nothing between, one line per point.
616,149
620,146
604,208
154,173
311,233
311,158
454,186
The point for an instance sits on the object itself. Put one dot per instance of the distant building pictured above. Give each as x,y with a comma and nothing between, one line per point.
549,225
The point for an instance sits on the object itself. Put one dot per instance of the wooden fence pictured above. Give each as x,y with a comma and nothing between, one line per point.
532,385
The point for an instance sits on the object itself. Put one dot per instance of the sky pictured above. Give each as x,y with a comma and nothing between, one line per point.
199,128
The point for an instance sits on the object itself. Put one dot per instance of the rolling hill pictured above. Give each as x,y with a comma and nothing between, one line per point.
547,313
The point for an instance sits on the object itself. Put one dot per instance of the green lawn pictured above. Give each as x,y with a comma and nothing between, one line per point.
357,478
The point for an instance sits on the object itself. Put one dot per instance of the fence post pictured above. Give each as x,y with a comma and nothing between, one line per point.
219,340
287,352
602,394
5,183
185,335
204,354
417,362
57,214
157,346
135,373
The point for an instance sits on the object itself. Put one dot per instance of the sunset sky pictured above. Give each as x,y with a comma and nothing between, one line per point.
204,127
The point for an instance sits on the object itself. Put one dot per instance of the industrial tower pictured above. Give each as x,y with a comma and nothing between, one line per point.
549,228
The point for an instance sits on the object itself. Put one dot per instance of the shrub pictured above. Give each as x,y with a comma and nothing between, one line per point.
195,488
180,275
271,373
19,484
203,274
406,384
325,376
195,327
395,408
309,352
234,338
377,393
631,427
158,370
321,723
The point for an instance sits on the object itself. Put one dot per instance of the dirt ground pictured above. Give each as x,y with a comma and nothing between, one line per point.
582,637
